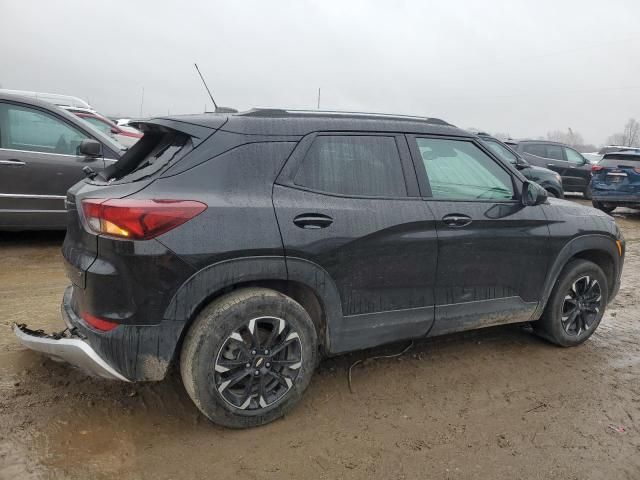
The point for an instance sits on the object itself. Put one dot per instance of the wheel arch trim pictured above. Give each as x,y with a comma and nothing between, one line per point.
207,282
603,243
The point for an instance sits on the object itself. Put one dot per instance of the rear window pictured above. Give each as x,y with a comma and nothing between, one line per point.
152,154
353,165
615,161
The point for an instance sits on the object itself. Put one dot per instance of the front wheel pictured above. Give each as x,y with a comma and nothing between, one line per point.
248,357
605,207
576,304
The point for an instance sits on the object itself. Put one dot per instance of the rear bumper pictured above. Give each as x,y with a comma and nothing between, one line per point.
68,346
612,196
69,349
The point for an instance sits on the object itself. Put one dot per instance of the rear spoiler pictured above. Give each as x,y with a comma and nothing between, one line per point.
153,130
198,133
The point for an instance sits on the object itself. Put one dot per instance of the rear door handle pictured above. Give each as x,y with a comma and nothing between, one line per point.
551,164
13,163
312,220
456,220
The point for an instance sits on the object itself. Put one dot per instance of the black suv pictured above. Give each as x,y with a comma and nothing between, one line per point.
245,247
574,169
548,179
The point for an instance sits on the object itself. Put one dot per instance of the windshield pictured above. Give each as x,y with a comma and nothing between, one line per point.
99,124
503,152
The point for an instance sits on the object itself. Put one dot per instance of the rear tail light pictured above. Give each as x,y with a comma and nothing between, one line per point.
98,323
137,219
596,168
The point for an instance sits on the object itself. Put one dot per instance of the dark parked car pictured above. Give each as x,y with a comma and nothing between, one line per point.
574,169
616,181
43,150
245,247
548,179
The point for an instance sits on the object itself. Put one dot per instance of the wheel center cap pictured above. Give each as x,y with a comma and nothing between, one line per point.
259,362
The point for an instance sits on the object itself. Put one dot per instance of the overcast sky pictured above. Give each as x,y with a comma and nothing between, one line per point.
519,67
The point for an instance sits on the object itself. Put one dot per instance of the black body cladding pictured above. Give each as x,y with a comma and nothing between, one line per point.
370,269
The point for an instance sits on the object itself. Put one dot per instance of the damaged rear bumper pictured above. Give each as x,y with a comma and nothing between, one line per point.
70,349
67,346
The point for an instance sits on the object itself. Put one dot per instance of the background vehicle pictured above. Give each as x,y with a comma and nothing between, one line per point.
247,246
125,136
574,169
593,157
43,150
55,98
617,148
548,179
616,181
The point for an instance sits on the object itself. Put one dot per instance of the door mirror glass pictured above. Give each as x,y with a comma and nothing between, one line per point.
90,148
533,194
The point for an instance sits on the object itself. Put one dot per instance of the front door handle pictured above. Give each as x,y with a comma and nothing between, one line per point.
312,220
13,163
551,164
456,220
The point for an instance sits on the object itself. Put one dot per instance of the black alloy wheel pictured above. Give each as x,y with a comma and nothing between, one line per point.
581,306
258,363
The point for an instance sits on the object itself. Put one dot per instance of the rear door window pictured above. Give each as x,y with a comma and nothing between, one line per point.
353,165
554,152
536,149
459,170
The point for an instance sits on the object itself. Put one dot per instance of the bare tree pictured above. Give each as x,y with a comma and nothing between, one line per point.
630,137
632,133
502,136
569,137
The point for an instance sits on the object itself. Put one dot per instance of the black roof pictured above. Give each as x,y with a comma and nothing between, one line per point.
300,122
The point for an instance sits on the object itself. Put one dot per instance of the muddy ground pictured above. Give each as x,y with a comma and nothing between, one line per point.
497,403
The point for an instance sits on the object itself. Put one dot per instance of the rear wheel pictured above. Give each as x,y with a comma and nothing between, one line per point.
605,207
248,357
587,192
576,304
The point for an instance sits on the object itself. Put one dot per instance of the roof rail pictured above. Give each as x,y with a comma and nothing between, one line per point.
280,112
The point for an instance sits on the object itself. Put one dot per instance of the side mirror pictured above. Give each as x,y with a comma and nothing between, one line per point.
533,194
90,148
114,130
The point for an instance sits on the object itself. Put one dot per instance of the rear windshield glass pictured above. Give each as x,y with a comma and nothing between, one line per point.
620,161
153,153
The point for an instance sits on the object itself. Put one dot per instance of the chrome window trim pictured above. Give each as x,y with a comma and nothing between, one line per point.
24,195
42,153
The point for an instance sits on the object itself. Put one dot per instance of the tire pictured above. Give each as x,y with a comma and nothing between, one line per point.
222,335
587,193
555,325
605,207
551,193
